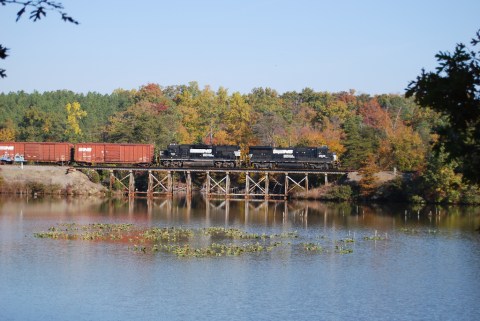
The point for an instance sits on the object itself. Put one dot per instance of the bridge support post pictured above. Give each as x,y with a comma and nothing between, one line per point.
267,182
326,179
112,179
285,196
131,184
169,183
306,183
150,185
208,185
227,185
247,185
189,183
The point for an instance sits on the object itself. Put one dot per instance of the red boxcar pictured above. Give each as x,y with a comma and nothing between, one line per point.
106,153
10,149
39,152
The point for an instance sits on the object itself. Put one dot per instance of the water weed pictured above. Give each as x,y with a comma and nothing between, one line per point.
202,242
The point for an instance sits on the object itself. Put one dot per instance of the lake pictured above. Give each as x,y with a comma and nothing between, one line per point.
402,263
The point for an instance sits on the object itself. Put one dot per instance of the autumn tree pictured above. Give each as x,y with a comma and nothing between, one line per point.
269,129
441,182
369,182
403,149
201,112
453,90
74,115
7,131
237,122
152,118
38,126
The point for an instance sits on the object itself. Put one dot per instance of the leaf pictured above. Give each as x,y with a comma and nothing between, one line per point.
20,13
68,18
38,13
3,52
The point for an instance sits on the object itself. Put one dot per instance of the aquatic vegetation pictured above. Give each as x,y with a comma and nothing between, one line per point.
409,230
342,250
312,247
414,231
376,237
238,234
204,242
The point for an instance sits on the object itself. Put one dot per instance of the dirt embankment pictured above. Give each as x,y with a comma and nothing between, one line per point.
53,177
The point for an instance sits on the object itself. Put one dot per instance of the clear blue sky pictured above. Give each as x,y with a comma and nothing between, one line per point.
371,46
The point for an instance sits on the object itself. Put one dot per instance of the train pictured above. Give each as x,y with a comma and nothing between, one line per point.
174,156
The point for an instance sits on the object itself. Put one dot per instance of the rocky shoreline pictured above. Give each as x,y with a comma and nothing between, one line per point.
48,180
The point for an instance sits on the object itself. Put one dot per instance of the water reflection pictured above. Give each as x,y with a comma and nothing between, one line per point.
409,276
227,212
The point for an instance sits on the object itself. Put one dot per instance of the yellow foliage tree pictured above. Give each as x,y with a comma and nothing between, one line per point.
402,148
74,114
7,132
238,118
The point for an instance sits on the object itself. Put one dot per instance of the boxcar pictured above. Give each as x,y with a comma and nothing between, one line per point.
48,152
107,153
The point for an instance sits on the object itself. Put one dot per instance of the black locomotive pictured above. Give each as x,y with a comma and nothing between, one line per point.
220,156
266,157
292,157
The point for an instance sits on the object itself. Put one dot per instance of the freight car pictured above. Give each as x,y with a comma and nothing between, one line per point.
49,152
292,157
184,155
107,153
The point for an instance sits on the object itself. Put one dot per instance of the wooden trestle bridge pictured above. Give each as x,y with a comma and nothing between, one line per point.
217,183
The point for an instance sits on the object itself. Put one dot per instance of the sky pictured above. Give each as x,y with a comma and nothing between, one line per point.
370,46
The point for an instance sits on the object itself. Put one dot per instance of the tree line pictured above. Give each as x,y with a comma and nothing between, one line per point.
368,133
388,131
391,127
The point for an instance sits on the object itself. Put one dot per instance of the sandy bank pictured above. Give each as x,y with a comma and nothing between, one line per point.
74,181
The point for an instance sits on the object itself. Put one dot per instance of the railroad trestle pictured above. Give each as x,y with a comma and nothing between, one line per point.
217,183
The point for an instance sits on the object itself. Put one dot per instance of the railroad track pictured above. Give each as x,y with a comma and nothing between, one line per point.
214,169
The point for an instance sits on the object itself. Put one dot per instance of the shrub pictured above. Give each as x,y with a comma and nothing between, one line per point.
339,193
416,199
117,186
36,187
470,195
92,175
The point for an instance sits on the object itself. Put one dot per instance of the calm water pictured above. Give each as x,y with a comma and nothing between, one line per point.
428,268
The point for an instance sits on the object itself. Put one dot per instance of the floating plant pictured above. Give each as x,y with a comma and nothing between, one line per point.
375,237
312,247
202,242
417,231
342,250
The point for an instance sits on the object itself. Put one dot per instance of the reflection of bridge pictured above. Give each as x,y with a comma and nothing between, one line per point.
227,209
256,183
230,211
